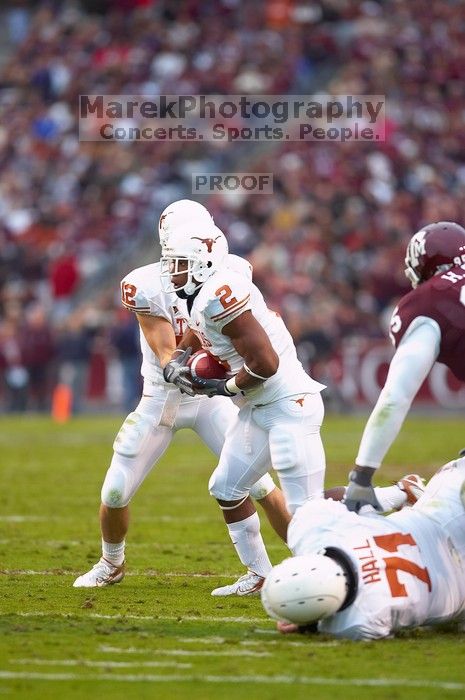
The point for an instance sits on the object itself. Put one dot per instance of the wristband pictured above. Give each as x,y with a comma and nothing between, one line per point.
232,387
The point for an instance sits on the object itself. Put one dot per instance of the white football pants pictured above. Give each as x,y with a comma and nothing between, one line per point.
148,431
285,433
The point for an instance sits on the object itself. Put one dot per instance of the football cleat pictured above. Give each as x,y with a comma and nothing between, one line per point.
413,486
103,573
248,584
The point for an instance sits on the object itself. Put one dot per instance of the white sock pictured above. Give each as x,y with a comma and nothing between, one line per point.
246,537
390,497
114,553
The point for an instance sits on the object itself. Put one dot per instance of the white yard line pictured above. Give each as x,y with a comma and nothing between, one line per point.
158,547
216,641
224,652
20,518
150,618
105,649
289,643
99,664
258,679
147,574
23,519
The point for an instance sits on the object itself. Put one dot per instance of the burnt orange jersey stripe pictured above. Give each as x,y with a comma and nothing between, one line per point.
228,312
230,308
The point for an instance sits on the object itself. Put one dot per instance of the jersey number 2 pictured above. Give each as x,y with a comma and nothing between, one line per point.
391,543
225,296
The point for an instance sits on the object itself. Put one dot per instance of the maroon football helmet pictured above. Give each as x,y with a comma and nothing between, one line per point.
434,248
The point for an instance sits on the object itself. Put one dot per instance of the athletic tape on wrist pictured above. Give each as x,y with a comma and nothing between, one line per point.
232,387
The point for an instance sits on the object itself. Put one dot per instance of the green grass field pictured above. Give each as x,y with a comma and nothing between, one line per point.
159,633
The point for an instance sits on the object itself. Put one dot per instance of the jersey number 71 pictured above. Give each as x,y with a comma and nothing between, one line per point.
391,543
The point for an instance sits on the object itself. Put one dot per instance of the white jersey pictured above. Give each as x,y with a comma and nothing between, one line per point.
227,294
410,567
141,292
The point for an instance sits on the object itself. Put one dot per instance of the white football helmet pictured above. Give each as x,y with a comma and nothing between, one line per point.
182,214
197,255
304,589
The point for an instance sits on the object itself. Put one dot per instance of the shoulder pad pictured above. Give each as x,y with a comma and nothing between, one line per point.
141,290
228,296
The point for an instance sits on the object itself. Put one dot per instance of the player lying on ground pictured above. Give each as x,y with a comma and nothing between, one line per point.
427,326
281,409
147,432
367,576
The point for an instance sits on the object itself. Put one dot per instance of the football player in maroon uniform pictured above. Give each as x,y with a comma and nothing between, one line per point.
427,326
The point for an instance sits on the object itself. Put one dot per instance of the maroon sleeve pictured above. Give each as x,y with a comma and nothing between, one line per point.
412,305
441,298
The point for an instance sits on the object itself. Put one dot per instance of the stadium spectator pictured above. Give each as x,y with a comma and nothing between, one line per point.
14,373
64,281
38,354
124,337
74,341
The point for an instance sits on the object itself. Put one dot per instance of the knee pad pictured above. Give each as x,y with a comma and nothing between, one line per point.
216,486
115,490
132,434
221,488
262,487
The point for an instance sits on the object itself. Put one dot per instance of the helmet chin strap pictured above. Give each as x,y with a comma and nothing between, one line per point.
193,284
412,276
191,290
190,287
350,573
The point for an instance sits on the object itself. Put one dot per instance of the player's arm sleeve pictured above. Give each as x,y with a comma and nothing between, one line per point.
411,364
366,619
362,632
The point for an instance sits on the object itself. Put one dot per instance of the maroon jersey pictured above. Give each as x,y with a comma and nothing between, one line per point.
441,298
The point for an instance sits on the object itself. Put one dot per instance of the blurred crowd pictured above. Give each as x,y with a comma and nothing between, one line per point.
327,246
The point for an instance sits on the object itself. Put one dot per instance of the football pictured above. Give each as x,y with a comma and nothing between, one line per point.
205,366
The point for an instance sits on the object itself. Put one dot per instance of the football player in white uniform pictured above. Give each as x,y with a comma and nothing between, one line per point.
281,409
367,576
163,409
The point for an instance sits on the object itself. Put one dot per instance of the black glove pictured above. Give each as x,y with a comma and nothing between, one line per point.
211,387
178,373
360,494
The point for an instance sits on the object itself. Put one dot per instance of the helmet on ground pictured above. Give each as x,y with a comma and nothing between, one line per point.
304,589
